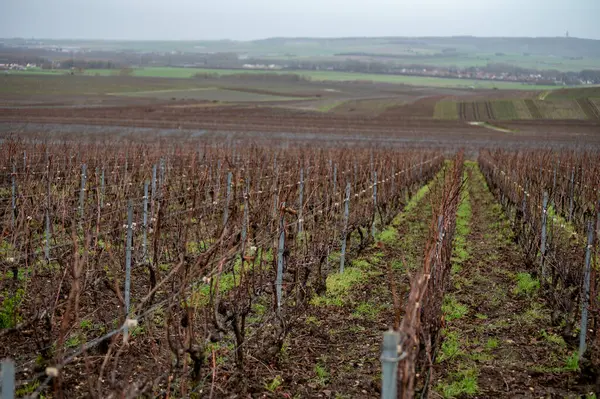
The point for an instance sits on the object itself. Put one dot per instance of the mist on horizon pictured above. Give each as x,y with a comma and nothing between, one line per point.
243,20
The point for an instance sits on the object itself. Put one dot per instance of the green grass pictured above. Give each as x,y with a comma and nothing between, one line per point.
572,362
389,236
9,309
322,375
526,285
460,245
361,264
74,341
554,339
462,383
568,364
273,385
339,286
366,310
85,324
28,389
450,348
413,203
492,343
534,314
453,309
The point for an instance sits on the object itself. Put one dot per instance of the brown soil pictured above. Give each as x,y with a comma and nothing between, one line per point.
345,339
409,121
505,337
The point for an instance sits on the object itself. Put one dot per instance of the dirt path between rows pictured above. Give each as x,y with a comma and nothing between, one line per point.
498,341
334,350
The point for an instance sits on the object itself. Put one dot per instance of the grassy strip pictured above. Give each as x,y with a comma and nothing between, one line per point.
414,201
339,285
463,381
460,246
330,106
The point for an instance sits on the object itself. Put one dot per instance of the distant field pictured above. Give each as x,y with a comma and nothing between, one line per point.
56,88
207,94
371,107
596,103
573,93
560,109
446,110
589,108
504,110
168,72
519,109
56,85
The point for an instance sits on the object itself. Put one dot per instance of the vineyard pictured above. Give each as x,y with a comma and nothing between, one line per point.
519,109
201,269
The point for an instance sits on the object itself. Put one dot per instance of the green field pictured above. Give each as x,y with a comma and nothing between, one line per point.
560,109
505,110
521,109
170,72
445,110
574,93
518,109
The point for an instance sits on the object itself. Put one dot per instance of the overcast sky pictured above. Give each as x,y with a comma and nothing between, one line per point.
254,19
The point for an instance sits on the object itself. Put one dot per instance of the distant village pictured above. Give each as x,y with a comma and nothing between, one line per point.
17,67
481,74
37,55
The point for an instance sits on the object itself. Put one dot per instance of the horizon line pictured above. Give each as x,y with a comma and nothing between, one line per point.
295,37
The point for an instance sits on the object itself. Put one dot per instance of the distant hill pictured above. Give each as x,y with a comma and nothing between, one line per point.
548,46
565,54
